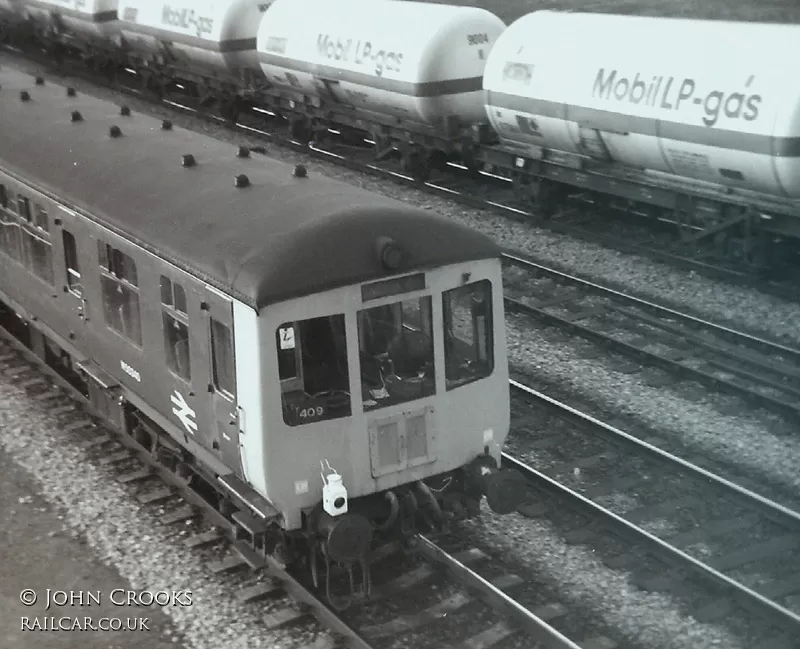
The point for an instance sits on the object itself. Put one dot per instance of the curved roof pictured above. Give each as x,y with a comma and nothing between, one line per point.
280,237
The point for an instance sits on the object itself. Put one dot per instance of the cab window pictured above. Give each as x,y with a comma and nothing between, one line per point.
396,352
313,372
468,337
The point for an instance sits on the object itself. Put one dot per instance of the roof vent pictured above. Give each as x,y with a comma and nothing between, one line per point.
166,125
115,131
25,95
188,160
39,81
76,116
300,171
125,111
71,92
391,255
243,152
242,181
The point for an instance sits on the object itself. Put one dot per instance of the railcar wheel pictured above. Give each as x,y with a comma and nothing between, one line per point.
184,473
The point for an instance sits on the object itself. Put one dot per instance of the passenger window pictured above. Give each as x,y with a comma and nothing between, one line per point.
396,351
312,365
24,208
117,263
172,294
222,358
468,337
71,260
176,329
25,241
11,201
37,246
120,287
10,237
41,221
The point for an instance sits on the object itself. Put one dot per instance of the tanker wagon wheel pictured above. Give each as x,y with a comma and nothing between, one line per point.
300,130
151,85
230,109
470,160
548,197
415,164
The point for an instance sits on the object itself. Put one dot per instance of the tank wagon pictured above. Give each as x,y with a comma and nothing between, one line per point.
674,128
210,44
408,73
330,362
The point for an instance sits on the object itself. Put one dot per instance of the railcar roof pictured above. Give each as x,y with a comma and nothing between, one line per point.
279,238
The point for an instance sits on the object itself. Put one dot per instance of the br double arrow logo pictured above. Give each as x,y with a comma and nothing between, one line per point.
183,412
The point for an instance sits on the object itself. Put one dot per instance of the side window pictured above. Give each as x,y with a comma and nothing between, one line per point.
10,236
71,260
468,337
120,286
222,358
313,370
176,328
36,241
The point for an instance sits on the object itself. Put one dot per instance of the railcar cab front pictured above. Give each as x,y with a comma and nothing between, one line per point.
389,382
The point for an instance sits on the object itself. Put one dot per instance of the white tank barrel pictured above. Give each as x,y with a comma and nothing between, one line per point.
417,61
712,100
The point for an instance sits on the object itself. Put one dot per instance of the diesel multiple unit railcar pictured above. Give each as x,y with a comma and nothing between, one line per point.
710,143
331,362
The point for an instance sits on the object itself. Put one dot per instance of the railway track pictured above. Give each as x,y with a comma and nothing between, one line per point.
428,590
763,372
703,527
580,218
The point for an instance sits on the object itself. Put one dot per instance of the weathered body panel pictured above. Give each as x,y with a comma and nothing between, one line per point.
416,61
711,106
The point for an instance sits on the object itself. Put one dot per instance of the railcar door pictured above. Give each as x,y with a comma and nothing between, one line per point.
222,378
70,235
